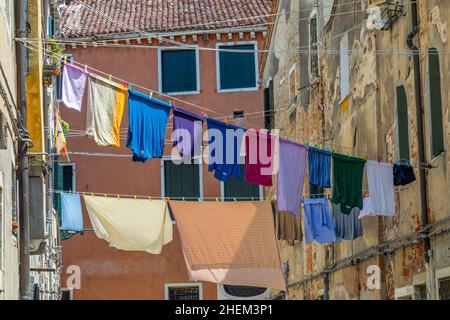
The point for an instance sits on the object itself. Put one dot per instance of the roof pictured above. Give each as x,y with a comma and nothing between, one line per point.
87,18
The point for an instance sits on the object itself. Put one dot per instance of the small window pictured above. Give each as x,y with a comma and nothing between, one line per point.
237,69
67,294
183,292
59,78
402,124
420,292
444,289
182,180
240,189
64,180
269,111
179,71
437,130
344,66
292,85
238,114
313,47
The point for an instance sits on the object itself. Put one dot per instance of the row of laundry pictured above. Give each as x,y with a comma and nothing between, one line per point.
243,253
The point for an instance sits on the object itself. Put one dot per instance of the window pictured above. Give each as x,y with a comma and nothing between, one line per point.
240,189
444,289
183,291
434,85
313,47
402,124
269,110
344,66
64,180
59,78
67,294
420,292
178,71
182,180
238,114
236,70
292,85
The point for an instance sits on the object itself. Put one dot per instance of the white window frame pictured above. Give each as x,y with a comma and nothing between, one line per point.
188,284
9,20
197,160
236,43
441,274
197,69
344,59
313,78
74,174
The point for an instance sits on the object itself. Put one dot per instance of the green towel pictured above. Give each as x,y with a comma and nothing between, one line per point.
347,182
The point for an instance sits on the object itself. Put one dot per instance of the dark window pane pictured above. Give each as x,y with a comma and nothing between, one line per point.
240,189
179,71
444,289
437,130
403,124
181,180
184,293
237,69
67,178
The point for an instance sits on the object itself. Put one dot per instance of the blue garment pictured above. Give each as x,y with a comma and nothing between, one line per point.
147,128
222,163
319,224
72,216
348,226
319,166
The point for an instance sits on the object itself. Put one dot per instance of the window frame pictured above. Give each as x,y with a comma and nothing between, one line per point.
344,95
428,102
313,77
441,274
397,136
74,174
187,284
70,290
236,43
197,69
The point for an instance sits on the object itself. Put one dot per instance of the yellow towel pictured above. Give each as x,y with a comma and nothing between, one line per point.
131,224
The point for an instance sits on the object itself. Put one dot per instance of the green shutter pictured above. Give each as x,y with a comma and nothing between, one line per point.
402,124
179,71
437,130
237,69
57,185
240,189
181,180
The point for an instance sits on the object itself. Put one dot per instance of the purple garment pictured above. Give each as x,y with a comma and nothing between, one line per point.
73,85
291,173
187,132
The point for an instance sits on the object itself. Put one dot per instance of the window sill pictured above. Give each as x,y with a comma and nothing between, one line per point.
237,90
181,93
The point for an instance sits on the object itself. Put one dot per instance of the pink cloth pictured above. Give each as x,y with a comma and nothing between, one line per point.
73,85
259,150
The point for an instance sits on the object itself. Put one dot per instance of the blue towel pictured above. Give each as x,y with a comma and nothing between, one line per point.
319,224
72,216
218,162
319,167
147,128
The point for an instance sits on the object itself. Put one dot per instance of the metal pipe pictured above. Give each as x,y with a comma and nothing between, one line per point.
24,142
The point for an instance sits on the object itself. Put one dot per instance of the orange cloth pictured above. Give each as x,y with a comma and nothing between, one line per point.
230,242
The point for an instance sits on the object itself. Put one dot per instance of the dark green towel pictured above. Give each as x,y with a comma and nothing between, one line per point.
347,182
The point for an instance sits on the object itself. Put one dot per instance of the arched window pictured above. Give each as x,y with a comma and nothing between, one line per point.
434,81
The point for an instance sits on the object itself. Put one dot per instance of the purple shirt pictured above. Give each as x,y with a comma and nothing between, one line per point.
187,132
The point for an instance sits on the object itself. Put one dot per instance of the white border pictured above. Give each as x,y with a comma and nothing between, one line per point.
197,69
237,43
8,20
189,284
312,79
342,98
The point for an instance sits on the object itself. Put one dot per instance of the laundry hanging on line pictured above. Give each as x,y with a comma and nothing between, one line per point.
131,224
230,243
224,159
403,174
104,111
147,128
260,156
319,167
319,224
72,215
187,132
291,174
348,226
73,86
288,227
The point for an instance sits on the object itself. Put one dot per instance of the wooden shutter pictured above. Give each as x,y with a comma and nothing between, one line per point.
437,130
240,189
181,180
179,71
237,69
402,124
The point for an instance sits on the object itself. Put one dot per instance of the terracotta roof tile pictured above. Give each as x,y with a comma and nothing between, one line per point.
85,18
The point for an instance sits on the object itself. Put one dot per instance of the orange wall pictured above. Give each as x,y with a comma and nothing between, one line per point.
108,273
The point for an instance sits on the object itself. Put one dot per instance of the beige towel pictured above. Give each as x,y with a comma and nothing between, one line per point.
104,111
131,224
230,242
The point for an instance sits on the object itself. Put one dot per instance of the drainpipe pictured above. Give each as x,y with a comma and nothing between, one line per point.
24,143
420,129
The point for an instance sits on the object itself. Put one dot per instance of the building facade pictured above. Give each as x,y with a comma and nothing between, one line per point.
170,49
371,86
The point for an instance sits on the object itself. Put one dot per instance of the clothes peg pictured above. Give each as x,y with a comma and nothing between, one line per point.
217,200
151,94
92,194
184,200
118,196
86,68
106,196
167,200
150,198
65,59
199,200
226,120
110,78
84,193
135,197
235,200
253,199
